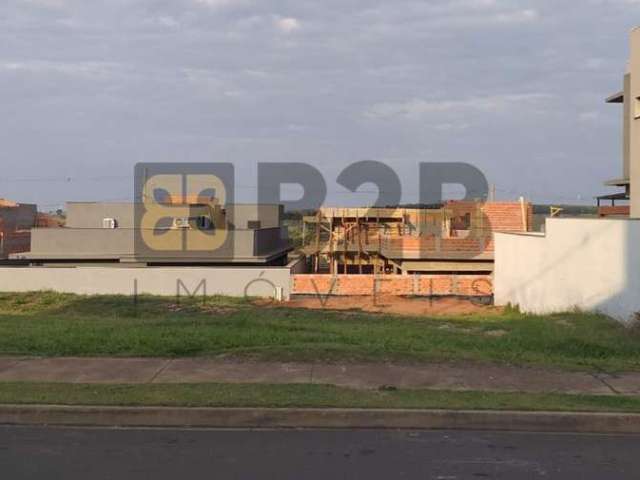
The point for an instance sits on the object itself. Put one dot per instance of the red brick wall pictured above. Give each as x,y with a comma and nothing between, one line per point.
445,245
14,242
401,285
461,245
622,210
495,216
486,218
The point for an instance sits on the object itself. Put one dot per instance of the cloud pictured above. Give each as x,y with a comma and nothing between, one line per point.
521,16
47,3
92,69
198,79
417,108
488,18
448,127
287,24
588,117
220,4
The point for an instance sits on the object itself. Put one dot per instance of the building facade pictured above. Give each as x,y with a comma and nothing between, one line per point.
105,233
629,99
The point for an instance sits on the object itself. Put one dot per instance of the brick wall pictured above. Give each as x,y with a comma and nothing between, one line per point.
401,285
493,216
615,210
15,220
485,218
44,220
14,242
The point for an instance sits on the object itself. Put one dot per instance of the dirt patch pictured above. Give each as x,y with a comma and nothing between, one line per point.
410,306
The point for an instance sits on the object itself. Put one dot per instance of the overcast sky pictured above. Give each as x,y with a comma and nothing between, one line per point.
89,88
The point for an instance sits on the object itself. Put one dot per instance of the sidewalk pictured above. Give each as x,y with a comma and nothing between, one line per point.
458,377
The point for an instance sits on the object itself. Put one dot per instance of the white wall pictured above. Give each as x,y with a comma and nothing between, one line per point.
591,264
257,282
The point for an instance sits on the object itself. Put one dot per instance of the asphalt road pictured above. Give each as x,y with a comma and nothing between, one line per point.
87,454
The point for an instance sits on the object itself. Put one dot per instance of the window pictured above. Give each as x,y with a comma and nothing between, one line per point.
636,108
204,223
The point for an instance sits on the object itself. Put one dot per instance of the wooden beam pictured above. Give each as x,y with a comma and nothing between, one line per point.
318,244
359,232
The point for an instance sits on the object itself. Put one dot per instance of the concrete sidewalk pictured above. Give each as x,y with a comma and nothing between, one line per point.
355,375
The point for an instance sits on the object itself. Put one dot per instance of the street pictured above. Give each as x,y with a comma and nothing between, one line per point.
99,453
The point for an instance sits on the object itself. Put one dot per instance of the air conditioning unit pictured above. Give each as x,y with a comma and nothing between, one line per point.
109,223
181,222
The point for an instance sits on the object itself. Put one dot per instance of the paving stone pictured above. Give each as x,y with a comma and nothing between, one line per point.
83,370
459,377
366,376
194,370
625,384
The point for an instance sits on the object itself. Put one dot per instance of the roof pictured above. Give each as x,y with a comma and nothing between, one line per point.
616,98
614,196
617,182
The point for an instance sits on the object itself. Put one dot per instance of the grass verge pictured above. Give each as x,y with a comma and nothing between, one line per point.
319,396
50,324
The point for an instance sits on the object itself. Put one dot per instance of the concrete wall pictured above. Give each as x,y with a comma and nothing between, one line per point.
634,121
154,281
100,243
239,215
590,264
258,282
82,242
91,214
626,127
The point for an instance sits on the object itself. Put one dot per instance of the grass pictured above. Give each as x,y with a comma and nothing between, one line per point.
319,396
51,324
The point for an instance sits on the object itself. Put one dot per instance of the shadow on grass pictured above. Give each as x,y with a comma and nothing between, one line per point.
53,303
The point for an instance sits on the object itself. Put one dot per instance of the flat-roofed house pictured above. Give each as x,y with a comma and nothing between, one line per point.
187,233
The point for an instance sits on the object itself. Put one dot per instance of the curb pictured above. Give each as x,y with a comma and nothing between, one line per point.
319,418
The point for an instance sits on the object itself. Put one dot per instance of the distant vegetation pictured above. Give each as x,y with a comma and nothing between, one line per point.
571,210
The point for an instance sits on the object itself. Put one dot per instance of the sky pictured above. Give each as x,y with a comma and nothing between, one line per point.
516,88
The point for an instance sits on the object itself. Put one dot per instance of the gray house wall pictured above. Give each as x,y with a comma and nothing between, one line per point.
91,214
269,216
119,243
84,237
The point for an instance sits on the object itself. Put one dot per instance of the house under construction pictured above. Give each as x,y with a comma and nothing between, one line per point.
456,238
